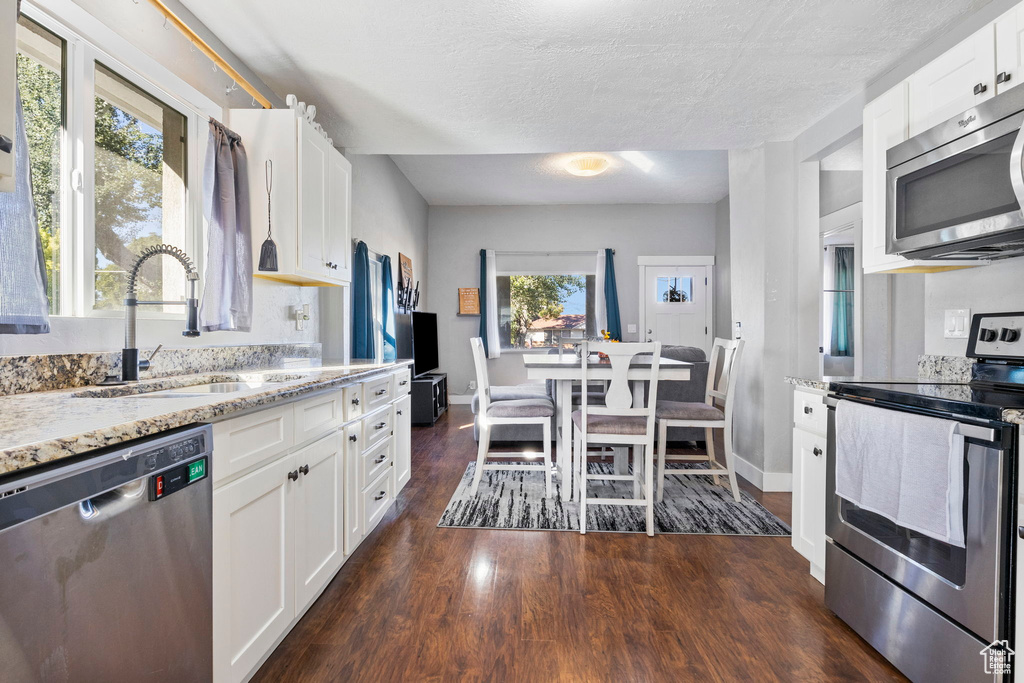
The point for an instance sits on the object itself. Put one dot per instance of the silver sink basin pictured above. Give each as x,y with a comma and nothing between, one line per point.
201,390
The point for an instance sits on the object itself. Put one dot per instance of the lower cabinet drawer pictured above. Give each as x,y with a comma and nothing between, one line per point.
375,461
242,443
353,401
809,412
403,382
316,416
376,500
377,426
377,392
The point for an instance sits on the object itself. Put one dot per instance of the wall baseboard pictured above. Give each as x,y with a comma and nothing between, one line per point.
765,481
460,399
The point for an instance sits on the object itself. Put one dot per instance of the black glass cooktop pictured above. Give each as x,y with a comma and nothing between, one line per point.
970,400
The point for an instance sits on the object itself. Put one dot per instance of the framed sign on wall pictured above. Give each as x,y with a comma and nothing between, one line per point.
469,301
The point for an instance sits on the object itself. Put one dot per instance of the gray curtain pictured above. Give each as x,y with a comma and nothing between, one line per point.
24,308
227,292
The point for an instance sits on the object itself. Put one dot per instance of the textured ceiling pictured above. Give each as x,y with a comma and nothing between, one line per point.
502,179
515,76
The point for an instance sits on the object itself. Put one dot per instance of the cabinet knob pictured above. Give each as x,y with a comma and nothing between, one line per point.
381,392
817,451
808,410
380,425
403,382
353,438
355,401
1020,531
293,475
381,495
980,88
304,469
1002,77
398,412
381,459
329,264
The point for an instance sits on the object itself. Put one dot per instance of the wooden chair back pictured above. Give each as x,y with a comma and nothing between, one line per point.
722,375
483,383
618,400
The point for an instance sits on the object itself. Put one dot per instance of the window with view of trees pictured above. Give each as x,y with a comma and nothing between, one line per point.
535,311
41,82
138,176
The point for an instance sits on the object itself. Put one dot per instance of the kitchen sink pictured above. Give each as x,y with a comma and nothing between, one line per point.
201,389
223,385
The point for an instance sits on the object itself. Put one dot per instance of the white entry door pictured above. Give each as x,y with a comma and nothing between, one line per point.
676,305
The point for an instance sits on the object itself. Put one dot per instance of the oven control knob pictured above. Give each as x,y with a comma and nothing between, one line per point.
1009,335
986,335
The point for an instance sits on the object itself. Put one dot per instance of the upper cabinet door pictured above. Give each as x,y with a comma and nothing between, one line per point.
956,81
339,230
1010,49
885,125
8,70
314,158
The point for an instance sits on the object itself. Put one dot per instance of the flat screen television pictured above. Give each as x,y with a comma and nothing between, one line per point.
417,339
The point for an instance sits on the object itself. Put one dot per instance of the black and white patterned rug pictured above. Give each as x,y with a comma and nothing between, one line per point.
510,499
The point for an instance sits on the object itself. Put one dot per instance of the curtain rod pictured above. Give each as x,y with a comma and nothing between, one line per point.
211,53
546,253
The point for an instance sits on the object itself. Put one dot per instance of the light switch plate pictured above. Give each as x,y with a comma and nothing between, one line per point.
957,324
631,328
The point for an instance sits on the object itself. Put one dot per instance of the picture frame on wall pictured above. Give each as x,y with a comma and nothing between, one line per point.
469,301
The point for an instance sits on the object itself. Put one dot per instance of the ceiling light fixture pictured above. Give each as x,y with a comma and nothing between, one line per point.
587,165
638,159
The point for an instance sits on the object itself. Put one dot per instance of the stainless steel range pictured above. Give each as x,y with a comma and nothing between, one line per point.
928,605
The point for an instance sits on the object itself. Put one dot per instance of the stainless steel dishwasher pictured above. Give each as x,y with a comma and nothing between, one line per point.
106,565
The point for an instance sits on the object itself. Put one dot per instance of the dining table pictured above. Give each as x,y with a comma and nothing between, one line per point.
566,369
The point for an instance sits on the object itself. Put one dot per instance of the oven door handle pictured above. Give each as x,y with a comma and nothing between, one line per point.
1017,167
968,431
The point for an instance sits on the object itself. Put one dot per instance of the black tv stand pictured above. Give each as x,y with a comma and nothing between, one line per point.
429,398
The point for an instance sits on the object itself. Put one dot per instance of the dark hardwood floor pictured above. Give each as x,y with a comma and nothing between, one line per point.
419,603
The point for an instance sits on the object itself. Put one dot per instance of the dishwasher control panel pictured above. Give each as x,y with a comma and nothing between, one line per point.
173,480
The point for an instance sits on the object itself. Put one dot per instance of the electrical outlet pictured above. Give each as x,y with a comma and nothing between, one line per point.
957,323
472,385
301,315
631,328
739,331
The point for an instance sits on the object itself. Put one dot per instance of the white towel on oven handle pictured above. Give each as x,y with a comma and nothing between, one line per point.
903,466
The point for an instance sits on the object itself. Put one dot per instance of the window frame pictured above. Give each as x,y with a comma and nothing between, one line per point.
498,273
89,44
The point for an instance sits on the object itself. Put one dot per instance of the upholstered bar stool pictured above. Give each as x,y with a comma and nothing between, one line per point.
617,422
530,411
721,385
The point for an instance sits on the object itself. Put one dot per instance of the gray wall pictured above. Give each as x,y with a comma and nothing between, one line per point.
391,217
457,233
838,190
987,289
723,271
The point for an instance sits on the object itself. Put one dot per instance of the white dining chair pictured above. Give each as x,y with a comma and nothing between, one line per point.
721,386
529,411
617,422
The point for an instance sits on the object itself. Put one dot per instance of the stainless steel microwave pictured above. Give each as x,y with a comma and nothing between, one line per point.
955,191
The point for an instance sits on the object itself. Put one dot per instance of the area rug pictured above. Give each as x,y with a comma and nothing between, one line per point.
510,499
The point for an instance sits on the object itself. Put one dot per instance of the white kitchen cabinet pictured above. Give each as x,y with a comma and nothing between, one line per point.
1010,49
961,78
319,516
8,77
353,449
310,201
253,568
403,442
809,444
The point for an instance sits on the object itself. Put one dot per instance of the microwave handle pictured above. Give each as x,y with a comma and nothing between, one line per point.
1017,167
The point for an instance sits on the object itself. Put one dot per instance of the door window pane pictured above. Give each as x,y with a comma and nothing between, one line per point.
674,290
41,82
140,189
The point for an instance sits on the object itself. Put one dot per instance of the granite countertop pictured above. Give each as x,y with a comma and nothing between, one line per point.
41,427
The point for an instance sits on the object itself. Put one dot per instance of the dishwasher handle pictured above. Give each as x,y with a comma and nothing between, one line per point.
112,503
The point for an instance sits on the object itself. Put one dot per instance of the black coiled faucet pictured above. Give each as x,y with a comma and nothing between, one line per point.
130,363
